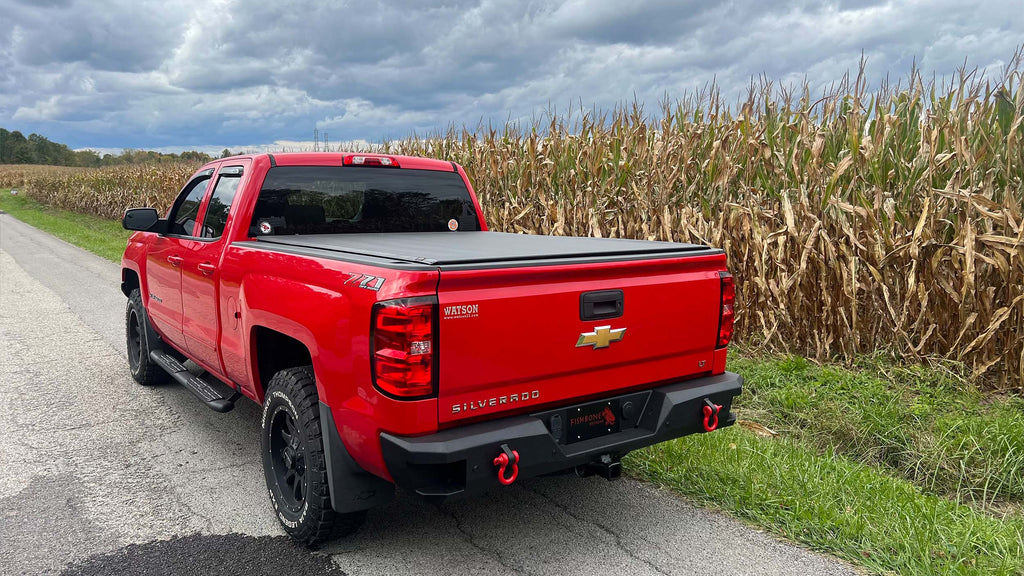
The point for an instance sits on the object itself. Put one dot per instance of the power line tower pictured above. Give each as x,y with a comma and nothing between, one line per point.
327,147
316,140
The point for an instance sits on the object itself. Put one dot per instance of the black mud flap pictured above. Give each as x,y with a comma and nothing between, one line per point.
352,488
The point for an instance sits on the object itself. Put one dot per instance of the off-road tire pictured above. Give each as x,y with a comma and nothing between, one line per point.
141,340
309,519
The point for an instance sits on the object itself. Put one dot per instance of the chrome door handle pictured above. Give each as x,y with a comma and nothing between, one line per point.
206,268
175,260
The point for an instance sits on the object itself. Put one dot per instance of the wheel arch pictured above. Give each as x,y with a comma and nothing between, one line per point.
272,351
130,281
133,265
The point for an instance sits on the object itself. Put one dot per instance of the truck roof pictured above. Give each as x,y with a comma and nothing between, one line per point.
337,158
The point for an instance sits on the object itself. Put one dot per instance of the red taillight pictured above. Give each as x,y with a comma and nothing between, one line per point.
403,347
363,160
727,312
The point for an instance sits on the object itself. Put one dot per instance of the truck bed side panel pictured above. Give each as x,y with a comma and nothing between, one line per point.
316,302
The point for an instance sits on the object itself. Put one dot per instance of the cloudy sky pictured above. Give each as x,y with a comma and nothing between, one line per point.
179,74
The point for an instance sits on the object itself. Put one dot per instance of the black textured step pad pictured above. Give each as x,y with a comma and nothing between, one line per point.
197,385
168,362
202,389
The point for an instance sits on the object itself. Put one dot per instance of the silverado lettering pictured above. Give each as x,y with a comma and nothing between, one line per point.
495,401
270,271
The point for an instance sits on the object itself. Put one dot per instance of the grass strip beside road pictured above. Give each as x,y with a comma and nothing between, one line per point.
873,464
897,468
833,504
100,236
926,425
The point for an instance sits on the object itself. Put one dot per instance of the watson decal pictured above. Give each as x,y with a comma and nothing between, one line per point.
462,311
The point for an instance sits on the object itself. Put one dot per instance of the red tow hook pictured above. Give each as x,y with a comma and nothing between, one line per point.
711,411
502,461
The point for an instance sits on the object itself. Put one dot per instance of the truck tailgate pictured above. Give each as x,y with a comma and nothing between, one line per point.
512,338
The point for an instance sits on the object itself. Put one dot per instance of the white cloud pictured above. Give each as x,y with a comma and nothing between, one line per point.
192,73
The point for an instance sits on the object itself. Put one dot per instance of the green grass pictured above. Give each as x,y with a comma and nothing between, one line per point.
897,468
834,504
100,236
925,425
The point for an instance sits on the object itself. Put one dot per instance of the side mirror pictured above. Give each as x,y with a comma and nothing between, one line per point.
142,219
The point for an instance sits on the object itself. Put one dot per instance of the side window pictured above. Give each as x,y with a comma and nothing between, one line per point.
186,208
220,202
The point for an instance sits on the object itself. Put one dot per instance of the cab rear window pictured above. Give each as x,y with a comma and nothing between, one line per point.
354,200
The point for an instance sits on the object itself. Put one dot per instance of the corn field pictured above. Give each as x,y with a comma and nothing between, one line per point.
103,191
17,176
857,222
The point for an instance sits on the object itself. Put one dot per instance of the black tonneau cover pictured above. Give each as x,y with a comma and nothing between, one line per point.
477,249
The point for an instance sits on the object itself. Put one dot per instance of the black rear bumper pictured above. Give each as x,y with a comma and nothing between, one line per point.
460,461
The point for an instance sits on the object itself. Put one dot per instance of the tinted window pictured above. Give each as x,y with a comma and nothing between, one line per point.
186,210
348,200
220,203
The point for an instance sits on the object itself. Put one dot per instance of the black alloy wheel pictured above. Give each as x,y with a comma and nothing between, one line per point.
141,340
288,452
134,340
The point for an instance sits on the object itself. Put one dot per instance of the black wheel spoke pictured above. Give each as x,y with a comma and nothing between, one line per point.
289,459
134,339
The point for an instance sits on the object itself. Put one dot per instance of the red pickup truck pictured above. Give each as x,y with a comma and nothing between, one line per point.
393,340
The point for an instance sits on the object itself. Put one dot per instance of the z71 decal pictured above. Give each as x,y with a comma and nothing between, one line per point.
366,281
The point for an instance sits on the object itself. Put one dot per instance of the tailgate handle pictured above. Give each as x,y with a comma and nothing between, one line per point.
601,305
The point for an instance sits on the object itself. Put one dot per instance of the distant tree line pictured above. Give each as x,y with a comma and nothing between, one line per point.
15,148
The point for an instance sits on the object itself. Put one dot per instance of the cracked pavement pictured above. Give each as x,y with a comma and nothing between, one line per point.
101,476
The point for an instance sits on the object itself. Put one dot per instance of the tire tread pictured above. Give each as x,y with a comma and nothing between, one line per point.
323,524
149,373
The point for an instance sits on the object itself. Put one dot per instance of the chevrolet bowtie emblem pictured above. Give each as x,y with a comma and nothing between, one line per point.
601,337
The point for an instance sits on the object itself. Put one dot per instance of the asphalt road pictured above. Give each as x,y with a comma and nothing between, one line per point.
101,476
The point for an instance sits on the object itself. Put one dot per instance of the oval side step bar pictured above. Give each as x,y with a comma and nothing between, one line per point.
205,391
